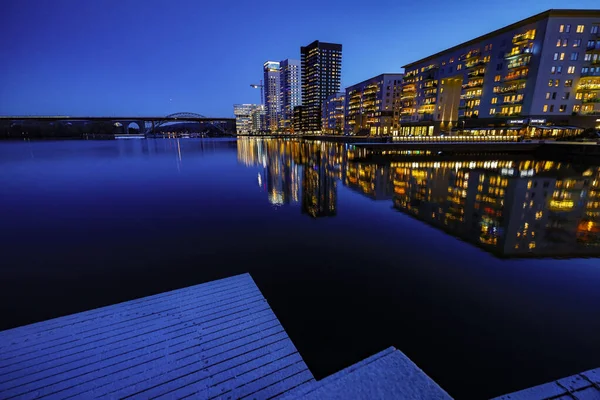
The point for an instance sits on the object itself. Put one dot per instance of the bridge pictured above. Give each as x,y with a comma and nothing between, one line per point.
113,124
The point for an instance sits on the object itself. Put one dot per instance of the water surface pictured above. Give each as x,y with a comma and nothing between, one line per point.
432,256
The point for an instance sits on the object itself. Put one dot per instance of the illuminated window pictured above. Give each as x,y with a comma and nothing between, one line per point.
497,78
548,95
571,70
580,28
553,70
562,56
562,108
574,56
459,67
545,109
565,42
494,100
567,28
555,56
587,57
556,82
561,28
568,82
558,42
550,82
577,43
492,111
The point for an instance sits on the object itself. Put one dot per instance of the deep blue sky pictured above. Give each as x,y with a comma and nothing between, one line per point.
107,57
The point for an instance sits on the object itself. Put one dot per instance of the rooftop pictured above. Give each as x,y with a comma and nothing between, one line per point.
535,18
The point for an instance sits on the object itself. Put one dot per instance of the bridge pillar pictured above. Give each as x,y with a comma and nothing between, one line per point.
142,125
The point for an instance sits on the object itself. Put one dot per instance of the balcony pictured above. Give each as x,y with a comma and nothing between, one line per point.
586,87
472,55
512,88
476,64
468,96
512,102
473,85
476,74
515,77
430,95
510,56
519,63
523,38
592,100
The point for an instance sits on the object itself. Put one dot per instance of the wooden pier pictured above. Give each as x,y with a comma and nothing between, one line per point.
215,340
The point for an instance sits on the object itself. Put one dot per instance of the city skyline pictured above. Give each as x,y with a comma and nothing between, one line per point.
130,65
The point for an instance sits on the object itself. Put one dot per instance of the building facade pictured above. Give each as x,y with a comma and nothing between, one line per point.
290,81
272,95
321,72
370,105
248,118
299,119
333,114
536,73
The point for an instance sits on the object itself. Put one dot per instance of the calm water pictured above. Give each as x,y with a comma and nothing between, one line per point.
352,256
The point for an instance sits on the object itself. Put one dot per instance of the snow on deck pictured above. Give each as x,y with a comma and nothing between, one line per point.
585,385
215,340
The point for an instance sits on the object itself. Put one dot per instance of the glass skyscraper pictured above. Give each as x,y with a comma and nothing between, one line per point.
321,71
290,81
272,95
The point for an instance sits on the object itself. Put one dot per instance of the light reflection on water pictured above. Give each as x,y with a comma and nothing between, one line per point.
353,255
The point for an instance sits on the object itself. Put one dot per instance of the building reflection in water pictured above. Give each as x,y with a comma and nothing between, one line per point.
511,208
508,207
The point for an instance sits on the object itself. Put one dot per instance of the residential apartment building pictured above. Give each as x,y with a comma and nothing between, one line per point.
535,74
272,95
333,114
321,72
248,118
290,81
370,105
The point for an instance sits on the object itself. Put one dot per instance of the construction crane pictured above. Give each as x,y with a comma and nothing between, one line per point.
261,87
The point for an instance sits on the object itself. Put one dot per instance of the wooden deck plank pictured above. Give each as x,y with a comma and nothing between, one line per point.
119,319
207,339
132,376
122,308
93,369
123,335
221,358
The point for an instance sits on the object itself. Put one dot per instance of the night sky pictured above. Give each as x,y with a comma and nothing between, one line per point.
117,57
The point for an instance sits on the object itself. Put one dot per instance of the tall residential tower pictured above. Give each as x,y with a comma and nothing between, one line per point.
272,95
290,82
321,72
